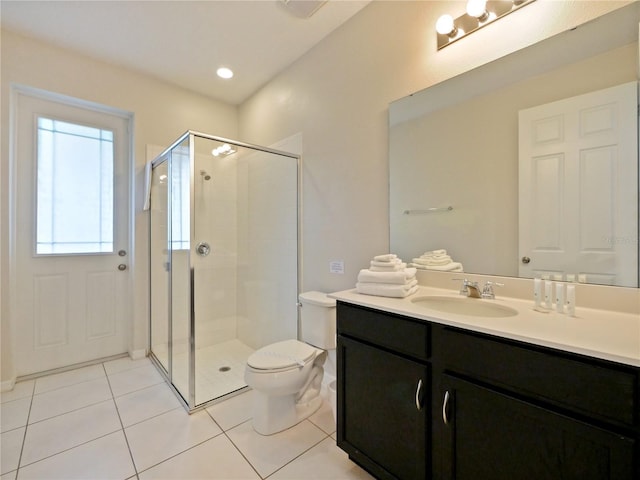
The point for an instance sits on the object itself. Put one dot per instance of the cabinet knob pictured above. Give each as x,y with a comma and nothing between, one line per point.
445,407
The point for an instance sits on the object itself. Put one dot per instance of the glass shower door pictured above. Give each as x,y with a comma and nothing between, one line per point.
180,244
160,263
244,259
218,368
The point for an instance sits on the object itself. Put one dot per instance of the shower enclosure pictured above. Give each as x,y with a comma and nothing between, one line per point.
224,261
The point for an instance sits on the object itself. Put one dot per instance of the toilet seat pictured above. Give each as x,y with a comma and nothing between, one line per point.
281,356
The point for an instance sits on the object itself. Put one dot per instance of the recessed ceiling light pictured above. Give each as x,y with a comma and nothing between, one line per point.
224,72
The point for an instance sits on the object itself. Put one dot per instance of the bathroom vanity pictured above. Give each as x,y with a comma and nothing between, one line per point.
428,394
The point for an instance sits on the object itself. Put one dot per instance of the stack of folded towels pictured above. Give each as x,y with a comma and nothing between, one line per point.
436,260
387,276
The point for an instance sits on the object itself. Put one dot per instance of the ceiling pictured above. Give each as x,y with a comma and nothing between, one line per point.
184,42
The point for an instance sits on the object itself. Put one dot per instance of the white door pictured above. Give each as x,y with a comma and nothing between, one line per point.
578,187
70,250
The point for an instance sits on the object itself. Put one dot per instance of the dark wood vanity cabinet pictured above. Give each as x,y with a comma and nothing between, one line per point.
488,408
383,392
491,435
511,410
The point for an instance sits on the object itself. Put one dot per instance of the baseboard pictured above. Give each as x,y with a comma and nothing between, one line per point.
7,385
137,354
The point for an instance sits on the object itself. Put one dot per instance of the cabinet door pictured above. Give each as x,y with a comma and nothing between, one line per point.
492,436
382,410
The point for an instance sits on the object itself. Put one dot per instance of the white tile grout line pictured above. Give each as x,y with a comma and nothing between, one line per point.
302,453
26,427
124,433
224,432
179,453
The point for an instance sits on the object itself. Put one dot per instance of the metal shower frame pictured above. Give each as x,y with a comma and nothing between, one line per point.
190,402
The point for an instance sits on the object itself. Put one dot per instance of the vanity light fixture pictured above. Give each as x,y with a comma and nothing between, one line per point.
223,150
479,14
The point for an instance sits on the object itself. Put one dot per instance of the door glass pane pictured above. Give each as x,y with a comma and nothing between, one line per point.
74,188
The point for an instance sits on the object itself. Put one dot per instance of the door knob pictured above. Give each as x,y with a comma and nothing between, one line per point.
122,267
203,249
525,260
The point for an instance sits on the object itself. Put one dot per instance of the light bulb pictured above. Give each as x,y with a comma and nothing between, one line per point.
445,25
477,9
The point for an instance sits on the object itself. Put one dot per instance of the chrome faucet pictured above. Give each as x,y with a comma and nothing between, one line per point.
470,289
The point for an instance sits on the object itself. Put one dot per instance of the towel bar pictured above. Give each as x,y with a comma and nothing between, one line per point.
428,210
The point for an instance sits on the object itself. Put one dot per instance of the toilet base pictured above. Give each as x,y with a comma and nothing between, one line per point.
273,414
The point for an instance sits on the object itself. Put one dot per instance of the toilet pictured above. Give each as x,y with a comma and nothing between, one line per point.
287,376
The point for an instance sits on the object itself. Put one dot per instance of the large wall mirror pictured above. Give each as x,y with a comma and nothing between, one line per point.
527,166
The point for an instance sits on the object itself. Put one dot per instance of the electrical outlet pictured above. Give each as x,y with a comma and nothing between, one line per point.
336,266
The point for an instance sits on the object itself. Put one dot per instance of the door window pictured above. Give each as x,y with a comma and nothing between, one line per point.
74,193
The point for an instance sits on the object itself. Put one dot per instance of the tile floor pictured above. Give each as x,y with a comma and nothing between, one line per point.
119,420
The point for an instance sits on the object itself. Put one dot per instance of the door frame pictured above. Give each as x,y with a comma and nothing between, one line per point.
17,90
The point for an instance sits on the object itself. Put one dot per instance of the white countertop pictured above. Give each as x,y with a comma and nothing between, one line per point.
601,334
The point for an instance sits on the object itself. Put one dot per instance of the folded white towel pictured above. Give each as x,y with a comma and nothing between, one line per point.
450,267
436,260
388,257
377,263
382,290
393,267
401,277
434,252
432,257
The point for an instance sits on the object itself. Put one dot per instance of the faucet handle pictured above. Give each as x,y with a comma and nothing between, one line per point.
487,290
463,289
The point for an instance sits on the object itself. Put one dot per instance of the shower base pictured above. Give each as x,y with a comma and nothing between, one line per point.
219,370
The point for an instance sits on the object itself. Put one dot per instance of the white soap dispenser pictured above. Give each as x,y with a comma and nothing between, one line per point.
537,293
560,297
571,300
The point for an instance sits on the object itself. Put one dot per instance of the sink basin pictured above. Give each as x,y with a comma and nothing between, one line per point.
473,307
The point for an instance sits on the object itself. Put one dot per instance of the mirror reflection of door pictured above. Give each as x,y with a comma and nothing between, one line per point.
578,171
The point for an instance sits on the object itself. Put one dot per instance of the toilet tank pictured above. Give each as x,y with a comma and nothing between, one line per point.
318,320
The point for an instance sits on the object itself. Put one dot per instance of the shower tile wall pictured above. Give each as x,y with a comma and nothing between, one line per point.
216,278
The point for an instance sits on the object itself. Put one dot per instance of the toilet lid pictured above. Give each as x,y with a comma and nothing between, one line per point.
288,353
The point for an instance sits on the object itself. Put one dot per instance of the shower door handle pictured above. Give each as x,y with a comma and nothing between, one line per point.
203,249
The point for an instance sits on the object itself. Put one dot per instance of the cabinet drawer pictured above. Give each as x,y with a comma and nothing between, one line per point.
401,334
583,386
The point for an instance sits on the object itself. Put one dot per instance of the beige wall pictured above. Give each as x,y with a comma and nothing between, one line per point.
338,94
162,112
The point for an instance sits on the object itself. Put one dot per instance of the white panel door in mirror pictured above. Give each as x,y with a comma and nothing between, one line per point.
577,172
